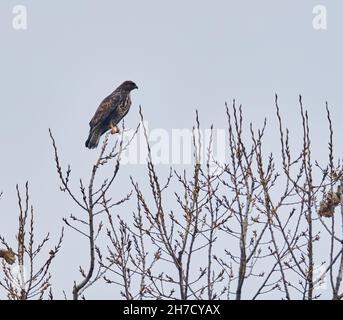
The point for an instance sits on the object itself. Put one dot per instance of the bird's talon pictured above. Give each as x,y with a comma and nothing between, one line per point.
114,129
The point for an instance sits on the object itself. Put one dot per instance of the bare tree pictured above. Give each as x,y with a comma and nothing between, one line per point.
25,280
267,211
259,225
93,200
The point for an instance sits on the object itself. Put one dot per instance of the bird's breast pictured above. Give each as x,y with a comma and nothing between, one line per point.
121,110
125,106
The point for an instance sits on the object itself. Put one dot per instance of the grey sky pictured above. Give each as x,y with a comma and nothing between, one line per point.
182,54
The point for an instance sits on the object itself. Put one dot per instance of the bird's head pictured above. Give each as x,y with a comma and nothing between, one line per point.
129,85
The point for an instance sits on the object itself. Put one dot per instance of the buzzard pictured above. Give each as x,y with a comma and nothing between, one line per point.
111,110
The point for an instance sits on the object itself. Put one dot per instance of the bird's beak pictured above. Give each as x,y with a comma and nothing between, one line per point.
136,87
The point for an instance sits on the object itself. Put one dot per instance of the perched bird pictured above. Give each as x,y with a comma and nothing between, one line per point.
110,112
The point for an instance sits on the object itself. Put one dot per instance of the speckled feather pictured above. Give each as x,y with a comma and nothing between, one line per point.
112,108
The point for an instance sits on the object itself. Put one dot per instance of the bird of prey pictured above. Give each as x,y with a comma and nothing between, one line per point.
110,112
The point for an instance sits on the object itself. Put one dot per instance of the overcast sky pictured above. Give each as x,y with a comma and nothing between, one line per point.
183,55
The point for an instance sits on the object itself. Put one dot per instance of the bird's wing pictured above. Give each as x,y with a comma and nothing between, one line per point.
106,108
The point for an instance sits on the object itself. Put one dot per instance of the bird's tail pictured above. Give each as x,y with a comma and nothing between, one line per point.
93,139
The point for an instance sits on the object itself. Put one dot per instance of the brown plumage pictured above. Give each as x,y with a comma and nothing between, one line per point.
8,255
110,112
